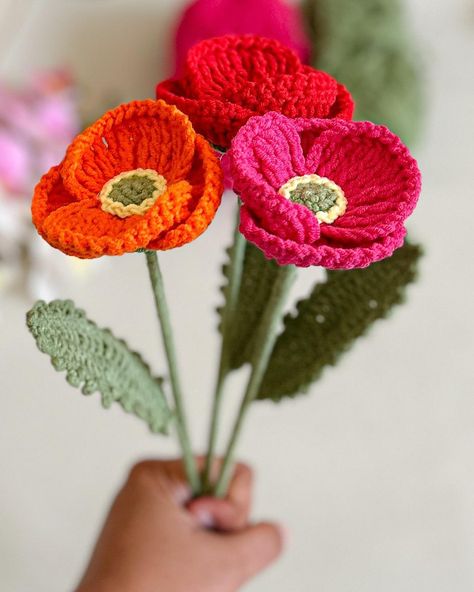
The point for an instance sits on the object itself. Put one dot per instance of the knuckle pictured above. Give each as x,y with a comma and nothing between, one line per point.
141,473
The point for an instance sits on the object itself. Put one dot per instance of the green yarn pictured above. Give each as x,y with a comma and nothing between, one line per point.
365,44
132,190
329,321
317,198
95,360
256,284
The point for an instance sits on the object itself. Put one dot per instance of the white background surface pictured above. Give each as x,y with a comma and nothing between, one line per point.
373,471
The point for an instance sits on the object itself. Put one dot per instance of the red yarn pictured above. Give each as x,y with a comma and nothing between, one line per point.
276,19
229,79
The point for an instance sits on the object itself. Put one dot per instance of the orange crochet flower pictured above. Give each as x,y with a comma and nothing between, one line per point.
138,178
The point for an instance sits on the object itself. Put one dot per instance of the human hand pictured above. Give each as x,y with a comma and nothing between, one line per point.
156,538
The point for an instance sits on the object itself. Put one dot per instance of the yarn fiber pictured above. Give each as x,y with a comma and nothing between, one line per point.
227,80
366,45
379,178
329,321
72,207
275,19
95,360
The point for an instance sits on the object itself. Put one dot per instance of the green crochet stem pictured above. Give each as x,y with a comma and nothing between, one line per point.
156,279
264,341
231,297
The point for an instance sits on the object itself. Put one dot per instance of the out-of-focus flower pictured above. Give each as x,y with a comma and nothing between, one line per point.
323,192
275,19
37,122
368,46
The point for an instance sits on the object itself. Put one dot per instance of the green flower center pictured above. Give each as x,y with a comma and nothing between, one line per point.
320,195
132,190
317,198
132,193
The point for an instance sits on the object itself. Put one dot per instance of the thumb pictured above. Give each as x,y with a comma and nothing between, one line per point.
255,548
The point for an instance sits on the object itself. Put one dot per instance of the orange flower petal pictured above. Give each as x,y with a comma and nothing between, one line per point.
142,134
50,194
208,178
84,230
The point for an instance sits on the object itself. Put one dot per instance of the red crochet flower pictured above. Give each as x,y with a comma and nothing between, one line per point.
320,192
229,79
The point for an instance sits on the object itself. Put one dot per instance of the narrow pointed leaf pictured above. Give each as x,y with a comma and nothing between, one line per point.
330,320
96,361
258,277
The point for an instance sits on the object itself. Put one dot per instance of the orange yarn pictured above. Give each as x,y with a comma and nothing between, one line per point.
148,135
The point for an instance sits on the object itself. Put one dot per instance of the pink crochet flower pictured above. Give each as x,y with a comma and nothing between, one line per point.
204,19
323,192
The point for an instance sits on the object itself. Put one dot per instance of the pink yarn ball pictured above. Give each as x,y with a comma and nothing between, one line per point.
275,19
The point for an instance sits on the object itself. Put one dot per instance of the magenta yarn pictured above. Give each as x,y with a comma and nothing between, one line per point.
268,18
379,178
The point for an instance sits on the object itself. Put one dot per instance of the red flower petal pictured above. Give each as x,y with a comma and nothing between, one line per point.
228,79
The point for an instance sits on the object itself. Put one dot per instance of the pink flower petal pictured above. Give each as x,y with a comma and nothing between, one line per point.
288,252
379,177
285,218
267,151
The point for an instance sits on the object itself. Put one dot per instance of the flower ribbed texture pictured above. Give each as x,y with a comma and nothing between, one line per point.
275,19
226,80
380,179
140,135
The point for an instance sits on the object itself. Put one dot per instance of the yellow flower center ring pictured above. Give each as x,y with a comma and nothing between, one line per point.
132,193
320,195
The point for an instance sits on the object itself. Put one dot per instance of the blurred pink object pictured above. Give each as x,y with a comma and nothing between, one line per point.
269,18
37,122
14,162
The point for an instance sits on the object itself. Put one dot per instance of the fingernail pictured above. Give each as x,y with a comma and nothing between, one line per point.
205,519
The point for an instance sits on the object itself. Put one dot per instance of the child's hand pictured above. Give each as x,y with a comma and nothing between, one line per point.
156,540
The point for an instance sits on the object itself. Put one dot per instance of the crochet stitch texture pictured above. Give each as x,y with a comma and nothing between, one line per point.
68,207
227,80
375,171
328,322
275,19
95,360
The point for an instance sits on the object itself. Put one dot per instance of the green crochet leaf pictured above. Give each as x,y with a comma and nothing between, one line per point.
329,321
95,360
258,276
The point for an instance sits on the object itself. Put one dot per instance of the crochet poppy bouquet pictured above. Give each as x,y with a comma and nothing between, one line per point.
313,189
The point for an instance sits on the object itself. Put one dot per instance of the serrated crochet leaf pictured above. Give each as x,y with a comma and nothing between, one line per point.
96,361
258,277
329,321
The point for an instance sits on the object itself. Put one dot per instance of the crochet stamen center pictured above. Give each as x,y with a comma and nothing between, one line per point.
320,195
132,193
